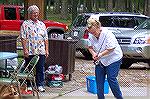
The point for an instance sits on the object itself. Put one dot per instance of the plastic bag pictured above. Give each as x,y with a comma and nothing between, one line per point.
54,69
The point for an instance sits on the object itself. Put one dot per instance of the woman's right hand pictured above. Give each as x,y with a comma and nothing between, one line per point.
95,56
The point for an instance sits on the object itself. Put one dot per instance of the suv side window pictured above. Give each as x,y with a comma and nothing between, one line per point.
9,13
121,21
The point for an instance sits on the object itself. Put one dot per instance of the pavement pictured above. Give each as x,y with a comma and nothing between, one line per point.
82,93
73,90
135,85
83,97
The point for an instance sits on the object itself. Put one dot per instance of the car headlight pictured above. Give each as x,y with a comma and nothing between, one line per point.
139,40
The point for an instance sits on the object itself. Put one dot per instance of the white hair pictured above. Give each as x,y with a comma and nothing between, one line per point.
93,21
32,8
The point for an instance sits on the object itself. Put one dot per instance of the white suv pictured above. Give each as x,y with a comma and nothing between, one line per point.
135,44
114,21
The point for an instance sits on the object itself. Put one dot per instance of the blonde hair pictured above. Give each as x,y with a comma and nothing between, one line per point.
32,8
93,21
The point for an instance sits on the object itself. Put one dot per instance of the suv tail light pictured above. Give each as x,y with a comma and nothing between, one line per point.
86,34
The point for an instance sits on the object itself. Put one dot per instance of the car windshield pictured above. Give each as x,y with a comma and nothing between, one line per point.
121,21
144,25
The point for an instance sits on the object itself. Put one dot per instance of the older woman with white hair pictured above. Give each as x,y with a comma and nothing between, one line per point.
35,42
107,56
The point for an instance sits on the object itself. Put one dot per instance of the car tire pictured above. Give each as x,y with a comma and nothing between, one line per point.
86,53
148,62
126,63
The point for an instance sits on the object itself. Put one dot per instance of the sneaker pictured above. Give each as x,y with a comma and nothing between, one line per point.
29,88
41,89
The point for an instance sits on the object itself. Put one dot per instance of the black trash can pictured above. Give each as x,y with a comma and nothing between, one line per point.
8,43
62,52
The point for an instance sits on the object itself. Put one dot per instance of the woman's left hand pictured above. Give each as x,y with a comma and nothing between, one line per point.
47,54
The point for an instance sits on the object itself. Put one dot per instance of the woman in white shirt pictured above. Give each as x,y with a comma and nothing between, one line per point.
107,56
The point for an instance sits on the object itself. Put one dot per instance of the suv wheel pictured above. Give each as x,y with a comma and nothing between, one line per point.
148,61
86,54
126,63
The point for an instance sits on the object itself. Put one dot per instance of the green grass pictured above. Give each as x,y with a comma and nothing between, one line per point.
57,17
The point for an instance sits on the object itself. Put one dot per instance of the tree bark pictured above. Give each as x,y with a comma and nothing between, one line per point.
145,7
64,9
110,5
97,5
130,6
57,6
89,5
148,8
74,9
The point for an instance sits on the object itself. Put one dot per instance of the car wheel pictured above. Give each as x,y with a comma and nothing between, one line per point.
126,63
148,62
86,54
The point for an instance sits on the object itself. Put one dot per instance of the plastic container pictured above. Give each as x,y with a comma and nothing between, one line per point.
92,87
55,84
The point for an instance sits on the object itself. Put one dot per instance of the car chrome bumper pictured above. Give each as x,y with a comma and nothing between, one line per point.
137,52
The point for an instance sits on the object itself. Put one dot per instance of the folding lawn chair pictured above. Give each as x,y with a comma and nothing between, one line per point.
11,85
28,73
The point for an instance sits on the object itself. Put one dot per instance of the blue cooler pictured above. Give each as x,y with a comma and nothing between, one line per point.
91,85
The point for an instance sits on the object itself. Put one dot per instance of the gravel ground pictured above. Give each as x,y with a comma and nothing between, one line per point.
129,79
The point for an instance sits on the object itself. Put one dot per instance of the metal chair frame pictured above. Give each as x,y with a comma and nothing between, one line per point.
28,73
9,83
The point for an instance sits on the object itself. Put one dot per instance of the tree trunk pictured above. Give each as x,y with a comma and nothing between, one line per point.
89,5
97,5
110,5
57,6
148,8
84,6
64,9
25,9
126,5
130,6
45,8
74,9
138,6
145,7
116,5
